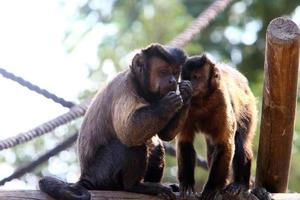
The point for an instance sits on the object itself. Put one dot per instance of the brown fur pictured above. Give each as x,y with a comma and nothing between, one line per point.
112,106
227,110
118,144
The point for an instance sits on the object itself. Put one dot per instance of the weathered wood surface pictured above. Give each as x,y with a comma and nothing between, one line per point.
115,195
279,104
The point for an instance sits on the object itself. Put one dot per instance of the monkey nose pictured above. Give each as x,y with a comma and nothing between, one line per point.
172,82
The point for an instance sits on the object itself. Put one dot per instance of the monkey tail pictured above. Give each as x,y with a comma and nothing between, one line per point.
60,190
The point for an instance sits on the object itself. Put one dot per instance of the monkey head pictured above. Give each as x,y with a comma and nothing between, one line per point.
156,69
203,74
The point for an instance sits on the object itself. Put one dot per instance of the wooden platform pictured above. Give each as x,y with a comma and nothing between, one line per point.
113,195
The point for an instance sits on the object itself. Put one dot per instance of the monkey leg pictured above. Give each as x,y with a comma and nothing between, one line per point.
156,163
104,171
186,158
209,152
119,167
135,167
241,162
219,170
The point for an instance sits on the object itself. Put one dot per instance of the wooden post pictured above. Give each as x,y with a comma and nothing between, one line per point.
279,104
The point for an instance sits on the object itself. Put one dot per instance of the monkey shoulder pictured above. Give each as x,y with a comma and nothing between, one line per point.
108,113
242,100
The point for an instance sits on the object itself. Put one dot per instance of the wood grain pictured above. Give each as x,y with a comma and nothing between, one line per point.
279,104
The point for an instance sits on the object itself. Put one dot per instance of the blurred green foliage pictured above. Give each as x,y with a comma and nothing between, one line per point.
236,36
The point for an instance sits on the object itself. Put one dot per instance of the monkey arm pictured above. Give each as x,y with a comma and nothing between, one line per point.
220,166
175,125
142,124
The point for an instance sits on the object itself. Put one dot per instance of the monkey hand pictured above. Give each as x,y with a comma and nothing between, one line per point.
171,102
186,90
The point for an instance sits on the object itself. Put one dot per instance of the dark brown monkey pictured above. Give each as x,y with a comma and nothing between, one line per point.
223,108
118,145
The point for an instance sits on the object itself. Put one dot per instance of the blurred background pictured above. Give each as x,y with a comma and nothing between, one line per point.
72,48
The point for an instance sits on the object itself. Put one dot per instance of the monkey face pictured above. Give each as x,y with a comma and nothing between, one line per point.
200,80
203,74
163,76
156,69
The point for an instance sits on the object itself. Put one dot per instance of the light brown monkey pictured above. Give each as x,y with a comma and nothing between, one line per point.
223,108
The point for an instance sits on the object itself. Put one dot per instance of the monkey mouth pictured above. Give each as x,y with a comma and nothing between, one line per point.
165,91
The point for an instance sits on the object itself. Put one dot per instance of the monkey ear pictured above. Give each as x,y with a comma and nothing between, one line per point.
138,63
209,59
215,77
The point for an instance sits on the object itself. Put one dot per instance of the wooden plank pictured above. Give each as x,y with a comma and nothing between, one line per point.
279,105
113,195
96,195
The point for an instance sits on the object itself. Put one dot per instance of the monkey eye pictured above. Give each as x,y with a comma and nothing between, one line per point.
164,72
195,77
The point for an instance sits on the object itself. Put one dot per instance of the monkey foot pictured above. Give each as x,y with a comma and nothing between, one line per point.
173,186
261,193
235,189
210,195
186,190
166,193
79,192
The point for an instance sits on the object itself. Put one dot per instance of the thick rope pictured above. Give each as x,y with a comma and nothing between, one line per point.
44,157
46,127
68,142
36,88
199,23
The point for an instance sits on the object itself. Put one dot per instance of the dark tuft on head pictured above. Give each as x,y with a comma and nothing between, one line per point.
178,55
192,63
170,54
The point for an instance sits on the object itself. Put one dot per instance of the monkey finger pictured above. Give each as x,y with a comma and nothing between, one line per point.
191,191
261,193
176,99
170,96
187,88
171,93
234,188
186,92
179,103
182,192
208,195
187,84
